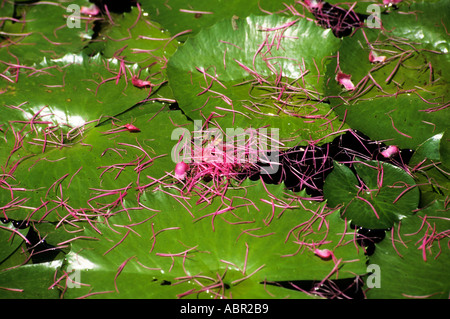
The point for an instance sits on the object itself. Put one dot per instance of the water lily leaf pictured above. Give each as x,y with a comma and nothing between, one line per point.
259,70
430,173
33,37
401,100
136,39
29,282
402,121
7,11
72,91
179,16
377,197
11,238
444,149
229,246
413,258
98,169
58,96
422,26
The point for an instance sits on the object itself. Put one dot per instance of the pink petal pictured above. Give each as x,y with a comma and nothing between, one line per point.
92,11
180,170
314,4
387,2
140,83
373,58
344,79
324,254
392,150
132,128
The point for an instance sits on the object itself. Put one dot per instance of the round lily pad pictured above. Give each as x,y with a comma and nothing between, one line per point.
379,195
259,71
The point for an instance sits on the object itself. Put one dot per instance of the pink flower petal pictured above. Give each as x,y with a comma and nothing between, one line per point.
140,83
344,79
132,128
387,2
91,11
373,58
392,150
324,254
180,170
314,4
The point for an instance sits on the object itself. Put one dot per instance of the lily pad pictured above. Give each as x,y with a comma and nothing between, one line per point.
11,238
413,258
377,197
444,149
136,39
421,25
400,100
95,170
72,90
29,282
261,70
180,16
232,247
431,175
33,37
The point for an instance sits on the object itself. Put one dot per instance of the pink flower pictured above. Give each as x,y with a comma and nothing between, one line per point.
373,58
392,150
140,83
91,11
180,170
344,79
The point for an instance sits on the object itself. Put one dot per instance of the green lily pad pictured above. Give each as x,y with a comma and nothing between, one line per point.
423,26
29,282
385,195
64,180
11,238
430,173
261,70
232,246
136,39
57,96
179,16
413,258
401,100
72,90
33,37
444,149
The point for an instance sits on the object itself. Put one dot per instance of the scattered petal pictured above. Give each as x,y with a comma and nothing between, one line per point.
391,2
373,58
140,83
324,254
180,170
344,79
91,11
131,128
314,4
392,150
